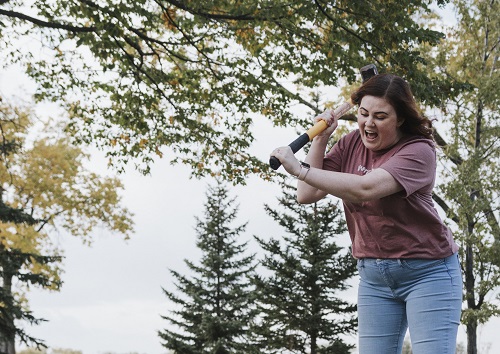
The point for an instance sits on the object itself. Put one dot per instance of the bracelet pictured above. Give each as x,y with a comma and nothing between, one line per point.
304,169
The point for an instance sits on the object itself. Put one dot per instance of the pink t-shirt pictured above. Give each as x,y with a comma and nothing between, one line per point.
402,225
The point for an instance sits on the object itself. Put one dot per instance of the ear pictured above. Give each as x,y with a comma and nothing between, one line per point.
400,122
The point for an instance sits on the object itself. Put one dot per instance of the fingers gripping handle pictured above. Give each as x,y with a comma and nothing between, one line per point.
296,145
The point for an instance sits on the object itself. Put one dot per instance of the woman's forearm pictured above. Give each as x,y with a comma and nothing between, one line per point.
349,187
306,193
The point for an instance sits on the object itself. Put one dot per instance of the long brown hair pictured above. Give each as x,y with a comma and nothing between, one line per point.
398,94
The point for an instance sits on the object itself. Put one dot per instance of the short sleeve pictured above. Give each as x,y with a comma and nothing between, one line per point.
333,160
413,166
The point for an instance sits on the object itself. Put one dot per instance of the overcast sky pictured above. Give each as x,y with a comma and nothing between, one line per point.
111,299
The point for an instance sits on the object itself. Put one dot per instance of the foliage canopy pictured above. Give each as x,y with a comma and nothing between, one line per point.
140,77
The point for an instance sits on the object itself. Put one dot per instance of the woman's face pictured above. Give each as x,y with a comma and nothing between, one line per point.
378,123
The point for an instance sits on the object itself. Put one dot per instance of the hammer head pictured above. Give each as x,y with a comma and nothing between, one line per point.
368,71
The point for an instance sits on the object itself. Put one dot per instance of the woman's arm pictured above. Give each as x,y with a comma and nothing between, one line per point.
318,182
306,193
349,187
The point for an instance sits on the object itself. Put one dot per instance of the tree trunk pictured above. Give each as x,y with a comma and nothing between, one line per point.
469,253
472,337
7,330
7,346
471,325
314,345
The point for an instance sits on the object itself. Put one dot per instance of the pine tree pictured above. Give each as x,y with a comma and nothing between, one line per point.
14,265
299,302
215,304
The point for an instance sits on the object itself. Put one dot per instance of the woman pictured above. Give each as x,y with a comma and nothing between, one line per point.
384,173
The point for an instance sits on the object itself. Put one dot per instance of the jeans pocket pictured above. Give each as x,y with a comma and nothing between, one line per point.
416,264
360,264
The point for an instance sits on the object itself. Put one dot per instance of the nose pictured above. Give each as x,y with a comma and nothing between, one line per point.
370,121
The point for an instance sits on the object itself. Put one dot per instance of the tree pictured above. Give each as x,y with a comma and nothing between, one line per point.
44,179
14,257
215,304
469,193
299,302
8,146
138,77
20,265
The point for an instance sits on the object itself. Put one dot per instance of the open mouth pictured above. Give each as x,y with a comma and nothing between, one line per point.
370,135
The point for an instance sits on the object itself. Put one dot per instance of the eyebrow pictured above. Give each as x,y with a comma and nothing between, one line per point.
379,112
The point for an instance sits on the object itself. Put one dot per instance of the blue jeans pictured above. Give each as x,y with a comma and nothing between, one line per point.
420,294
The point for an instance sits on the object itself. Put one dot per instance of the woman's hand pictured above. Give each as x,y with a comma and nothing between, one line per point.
330,120
287,159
